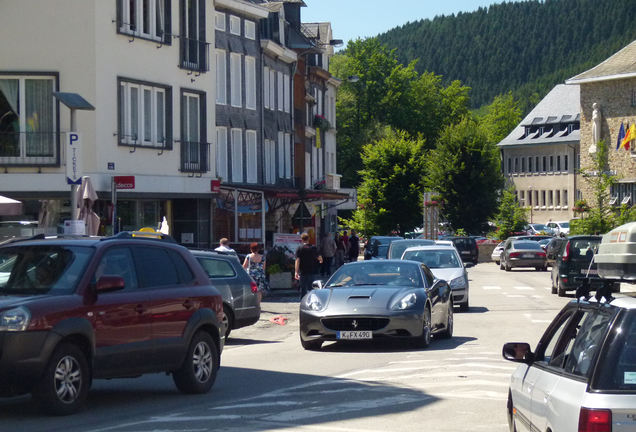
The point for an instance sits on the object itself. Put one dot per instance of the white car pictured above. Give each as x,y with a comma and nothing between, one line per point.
582,375
446,264
496,253
560,227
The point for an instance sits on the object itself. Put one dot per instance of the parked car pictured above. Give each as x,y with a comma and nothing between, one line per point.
544,244
378,247
467,248
574,261
241,301
533,237
554,247
397,247
496,253
446,264
538,229
522,253
376,299
560,228
582,374
74,310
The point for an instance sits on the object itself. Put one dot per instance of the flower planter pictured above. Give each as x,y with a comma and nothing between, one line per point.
281,280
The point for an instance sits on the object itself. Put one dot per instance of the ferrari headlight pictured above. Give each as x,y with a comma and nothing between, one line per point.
313,302
15,319
459,282
405,302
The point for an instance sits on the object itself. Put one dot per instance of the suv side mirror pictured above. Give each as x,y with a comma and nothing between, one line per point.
518,352
110,283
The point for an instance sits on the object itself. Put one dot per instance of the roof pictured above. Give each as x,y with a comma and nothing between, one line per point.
621,65
560,106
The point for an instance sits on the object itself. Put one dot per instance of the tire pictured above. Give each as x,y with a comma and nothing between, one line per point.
560,290
501,265
448,331
497,262
464,307
198,371
554,288
507,267
228,320
424,340
64,385
312,345
511,420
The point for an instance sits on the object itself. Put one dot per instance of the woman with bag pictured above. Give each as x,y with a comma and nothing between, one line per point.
255,265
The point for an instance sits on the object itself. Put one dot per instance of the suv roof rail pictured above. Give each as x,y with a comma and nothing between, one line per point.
141,234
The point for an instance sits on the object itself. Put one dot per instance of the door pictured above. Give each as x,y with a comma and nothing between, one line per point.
122,322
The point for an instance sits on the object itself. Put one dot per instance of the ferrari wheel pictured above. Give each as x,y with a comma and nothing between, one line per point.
425,339
448,331
312,345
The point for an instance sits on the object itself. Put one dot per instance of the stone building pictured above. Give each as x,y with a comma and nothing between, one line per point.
612,86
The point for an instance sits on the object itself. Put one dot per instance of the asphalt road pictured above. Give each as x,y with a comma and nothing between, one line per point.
267,382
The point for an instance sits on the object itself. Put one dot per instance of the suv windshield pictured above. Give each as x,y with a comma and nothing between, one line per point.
41,269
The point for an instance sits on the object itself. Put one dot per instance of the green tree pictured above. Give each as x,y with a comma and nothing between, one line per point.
391,190
501,117
510,217
464,169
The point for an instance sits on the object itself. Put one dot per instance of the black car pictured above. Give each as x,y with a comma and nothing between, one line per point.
467,248
575,261
554,247
378,247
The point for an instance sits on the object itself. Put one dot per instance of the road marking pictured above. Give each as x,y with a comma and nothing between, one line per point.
524,288
514,295
491,287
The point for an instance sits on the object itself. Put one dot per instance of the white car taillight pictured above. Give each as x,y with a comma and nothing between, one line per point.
595,420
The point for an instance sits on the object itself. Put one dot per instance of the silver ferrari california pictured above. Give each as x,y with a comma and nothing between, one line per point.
377,299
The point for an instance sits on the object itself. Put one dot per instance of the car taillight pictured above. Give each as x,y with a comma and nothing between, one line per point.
254,287
514,255
595,420
541,254
566,253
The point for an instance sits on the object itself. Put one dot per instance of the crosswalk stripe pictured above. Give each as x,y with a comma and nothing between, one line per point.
491,287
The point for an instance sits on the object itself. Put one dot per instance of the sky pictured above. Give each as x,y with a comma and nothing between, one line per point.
351,19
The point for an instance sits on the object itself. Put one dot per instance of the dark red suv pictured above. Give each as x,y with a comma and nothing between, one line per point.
72,310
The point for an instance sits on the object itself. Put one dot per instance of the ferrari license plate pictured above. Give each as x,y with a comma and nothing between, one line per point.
352,335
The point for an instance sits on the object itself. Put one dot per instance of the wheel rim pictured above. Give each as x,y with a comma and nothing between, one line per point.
68,379
202,362
427,327
449,328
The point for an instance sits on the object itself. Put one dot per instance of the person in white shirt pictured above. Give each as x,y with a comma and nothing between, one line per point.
224,246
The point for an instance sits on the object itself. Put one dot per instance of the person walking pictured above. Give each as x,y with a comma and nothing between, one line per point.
254,263
224,246
354,247
345,242
306,265
339,257
327,250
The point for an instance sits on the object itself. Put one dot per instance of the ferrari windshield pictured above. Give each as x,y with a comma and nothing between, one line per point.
377,273
27,270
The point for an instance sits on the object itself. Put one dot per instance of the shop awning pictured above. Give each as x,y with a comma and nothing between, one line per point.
9,206
313,195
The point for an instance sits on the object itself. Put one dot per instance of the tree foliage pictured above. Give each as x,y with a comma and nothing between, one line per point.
510,218
464,169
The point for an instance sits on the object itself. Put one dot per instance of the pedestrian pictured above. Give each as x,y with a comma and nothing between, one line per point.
328,251
339,258
224,246
354,247
306,266
345,242
254,263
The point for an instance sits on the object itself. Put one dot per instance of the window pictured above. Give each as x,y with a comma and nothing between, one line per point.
118,261
281,154
530,164
236,80
530,197
270,161
221,152
543,201
266,87
550,198
281,103
551,163
143,114
509,165
536,164
545,164
193,141
251,156
565,197
219,21
148,19
558,160
155,267
272,91
193,47
235,25
557,197
28,118
250,82
237,155
565,163
288,159
250,29
221,78
216,268
592,328
286,93
516,165
523,164
548,344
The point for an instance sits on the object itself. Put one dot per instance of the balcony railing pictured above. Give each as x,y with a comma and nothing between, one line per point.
194,157
194,54
28,148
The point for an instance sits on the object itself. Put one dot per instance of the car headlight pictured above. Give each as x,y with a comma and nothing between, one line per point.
17,319
459,282
405,302
313,302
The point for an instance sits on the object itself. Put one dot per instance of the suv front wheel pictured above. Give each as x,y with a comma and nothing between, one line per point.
65,382
198,372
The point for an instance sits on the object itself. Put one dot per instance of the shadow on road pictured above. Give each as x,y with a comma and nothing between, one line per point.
394,345
476,310
242,341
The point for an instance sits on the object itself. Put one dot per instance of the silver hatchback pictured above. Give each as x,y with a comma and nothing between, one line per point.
582,375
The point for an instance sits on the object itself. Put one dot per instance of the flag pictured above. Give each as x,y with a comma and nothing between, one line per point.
621,135
632,134
627,138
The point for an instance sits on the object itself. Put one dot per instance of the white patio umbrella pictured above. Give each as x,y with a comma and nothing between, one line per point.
87,197
10,207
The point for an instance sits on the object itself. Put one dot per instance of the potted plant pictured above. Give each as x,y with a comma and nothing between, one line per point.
280,267
320,122
580,206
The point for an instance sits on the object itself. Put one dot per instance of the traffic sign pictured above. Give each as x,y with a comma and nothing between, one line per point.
73,160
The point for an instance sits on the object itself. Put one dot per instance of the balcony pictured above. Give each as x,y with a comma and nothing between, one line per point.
28,148
194,157
194,54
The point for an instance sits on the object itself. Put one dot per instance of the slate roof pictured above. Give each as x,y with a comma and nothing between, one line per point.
559,107
619,66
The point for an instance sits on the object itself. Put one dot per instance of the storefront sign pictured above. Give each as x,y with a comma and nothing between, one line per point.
215,186
125,182
289,241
